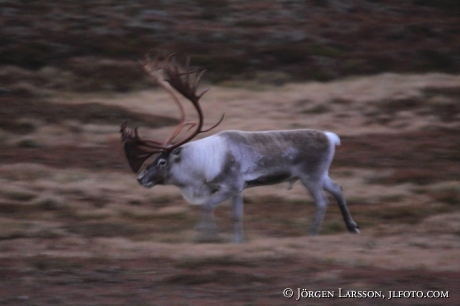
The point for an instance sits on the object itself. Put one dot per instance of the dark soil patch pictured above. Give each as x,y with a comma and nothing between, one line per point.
421,157
14,108
159,281
109,157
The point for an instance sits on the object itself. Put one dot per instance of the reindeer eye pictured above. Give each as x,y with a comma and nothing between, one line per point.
162,163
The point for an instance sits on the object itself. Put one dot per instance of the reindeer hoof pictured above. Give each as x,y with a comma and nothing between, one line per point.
239,239
209,237
354,228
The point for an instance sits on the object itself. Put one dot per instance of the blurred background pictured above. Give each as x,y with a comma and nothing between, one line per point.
77,229
94,45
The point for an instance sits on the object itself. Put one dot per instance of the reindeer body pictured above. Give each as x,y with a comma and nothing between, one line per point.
216,168
219,167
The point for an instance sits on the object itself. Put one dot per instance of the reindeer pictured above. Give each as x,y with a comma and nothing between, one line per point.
219,167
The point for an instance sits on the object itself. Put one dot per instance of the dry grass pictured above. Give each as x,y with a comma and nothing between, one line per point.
74,202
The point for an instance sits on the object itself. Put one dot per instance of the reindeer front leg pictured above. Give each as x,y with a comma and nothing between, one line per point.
237,202
207,224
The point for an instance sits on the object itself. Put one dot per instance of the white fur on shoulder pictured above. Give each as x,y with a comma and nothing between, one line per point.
207,156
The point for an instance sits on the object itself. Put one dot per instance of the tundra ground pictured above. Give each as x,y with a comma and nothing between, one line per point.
77,229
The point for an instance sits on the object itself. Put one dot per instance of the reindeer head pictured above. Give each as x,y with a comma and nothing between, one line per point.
169,77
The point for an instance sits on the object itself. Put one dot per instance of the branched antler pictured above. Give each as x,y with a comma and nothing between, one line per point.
169,77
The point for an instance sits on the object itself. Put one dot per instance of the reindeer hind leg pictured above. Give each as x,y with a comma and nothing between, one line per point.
315,188
333,188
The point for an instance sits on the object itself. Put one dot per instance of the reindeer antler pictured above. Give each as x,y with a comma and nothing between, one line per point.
137,150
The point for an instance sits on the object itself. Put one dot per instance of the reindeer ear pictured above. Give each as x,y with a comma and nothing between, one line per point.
176,154
177,151
136,156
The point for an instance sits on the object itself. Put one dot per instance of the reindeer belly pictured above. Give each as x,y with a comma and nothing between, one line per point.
268,179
